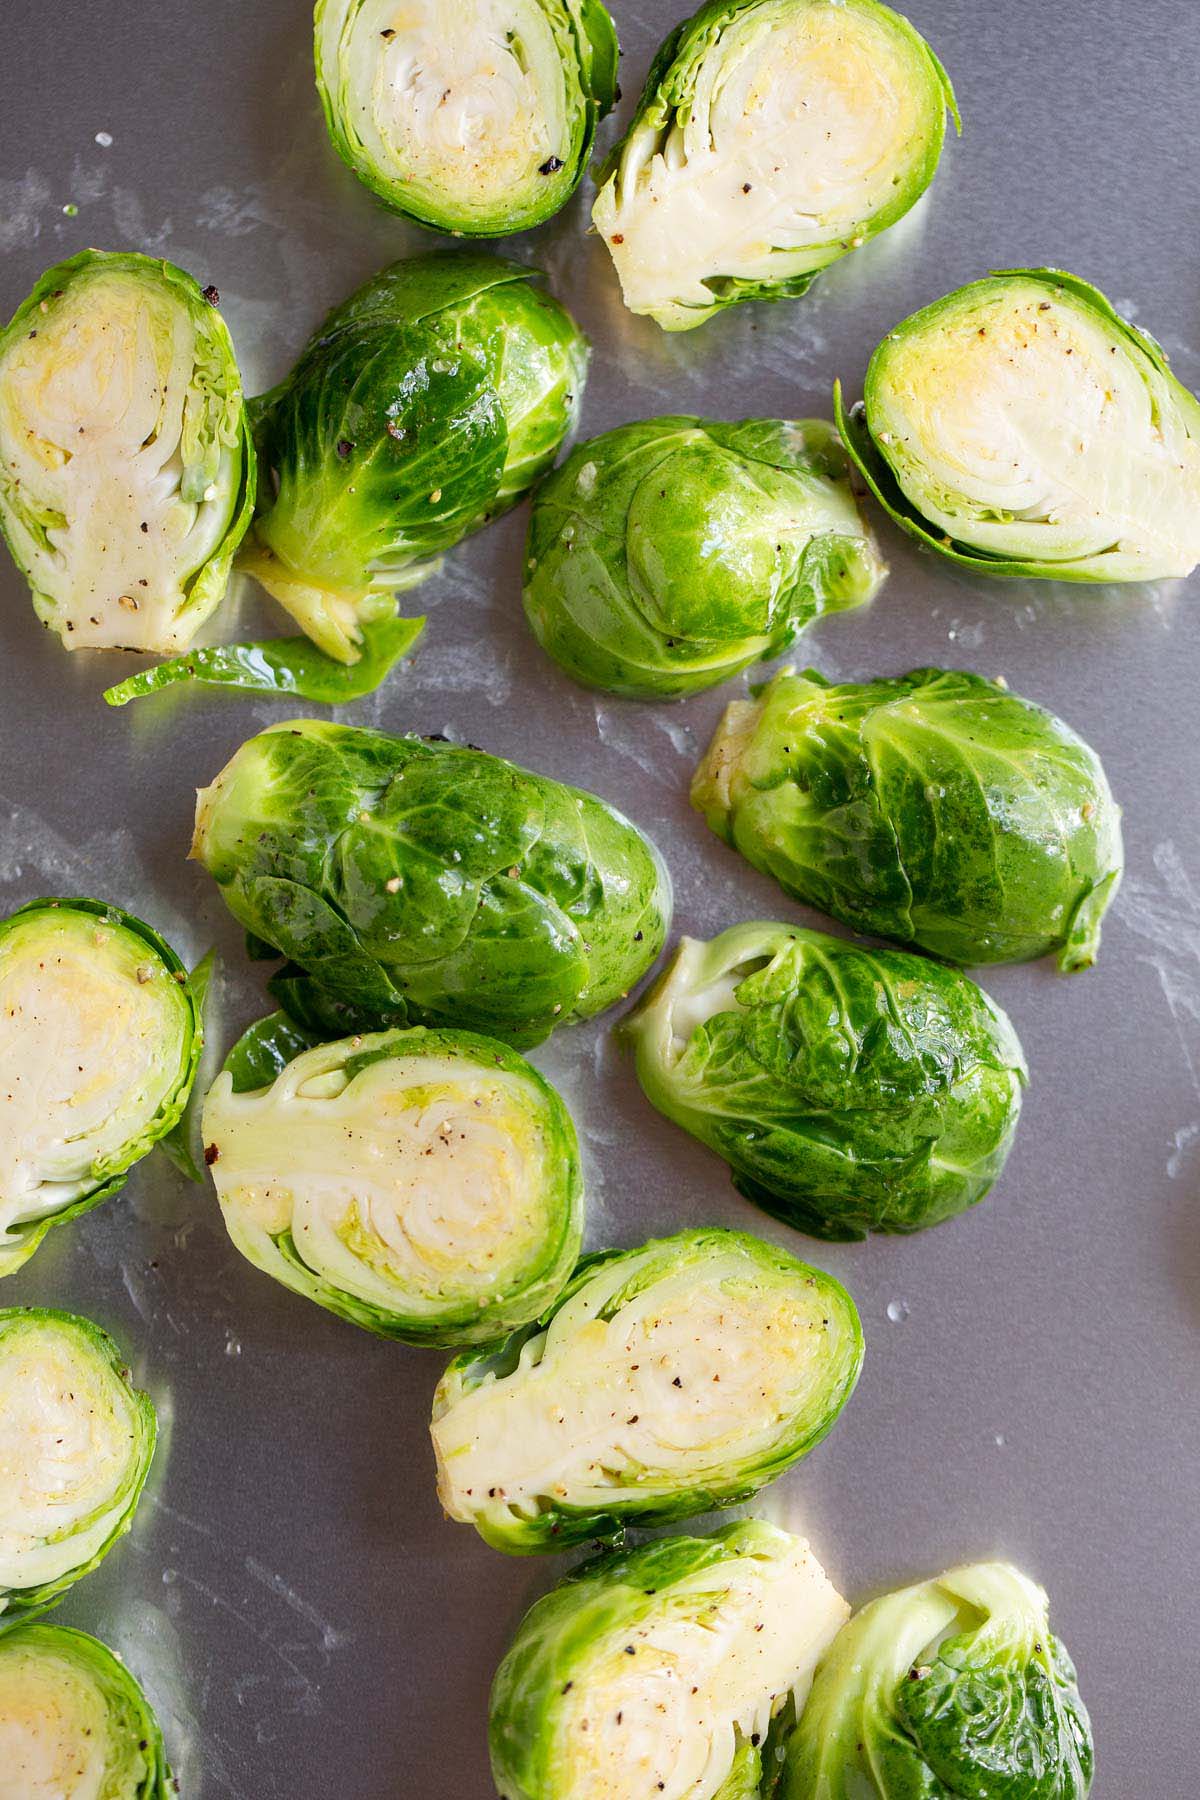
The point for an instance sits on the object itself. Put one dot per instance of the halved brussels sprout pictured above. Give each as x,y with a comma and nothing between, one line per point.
662,1670
99,1042
423,1184
664,1381
950,1687
74,1724
771,137
414,880
935,808
126,470
1021,427
426,405
76,1441
665,556
849,1090
473,116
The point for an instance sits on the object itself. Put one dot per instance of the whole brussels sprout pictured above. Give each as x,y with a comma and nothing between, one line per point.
126,470
665,556
954,1687
418,881
78,1439
472,116
74,1723
1021,427
682,1375
935,808
99,1042
850,1090
422,1184
662,1669
427,404
771,137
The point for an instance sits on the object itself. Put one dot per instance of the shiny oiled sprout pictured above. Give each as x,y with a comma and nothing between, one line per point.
662,1670
665,556
771,138
426,405
99,1042
1021,427
423,1184
954,1687
74,1723
666,1380
126,470
412,880
849,1090
472,116
935,808
76,1441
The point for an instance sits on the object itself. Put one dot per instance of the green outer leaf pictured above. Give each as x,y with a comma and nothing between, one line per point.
18,1605
935,808
665,105
168,1113
610,1594
558,1523
849,1089
266,1049
587,42
664,556
427,404
207,584
880,477
421,881
132,1718
952,1689
287,667
185,1133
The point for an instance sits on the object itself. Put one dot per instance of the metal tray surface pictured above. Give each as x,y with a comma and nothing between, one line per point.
304,1619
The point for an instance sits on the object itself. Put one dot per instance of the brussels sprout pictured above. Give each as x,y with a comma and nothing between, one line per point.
99,1042
665,1380
936,808
418,881
951,1688
771,137
1021,427
849,1090
76,1440
74,1723
665,556
427,404
423,1184
662,1669
126,470
473,116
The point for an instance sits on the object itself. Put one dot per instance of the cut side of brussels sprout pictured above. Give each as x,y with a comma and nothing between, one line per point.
771,138
423,1184
954,1686
849,1090
76,1440
416,880
935,807
665,556
99,1039
472,116
666,1380
425,406
74,1724
661,1671
1021,427
126,473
